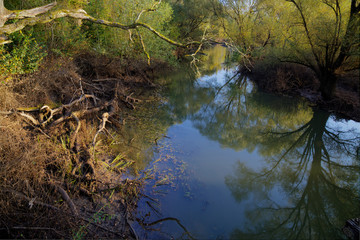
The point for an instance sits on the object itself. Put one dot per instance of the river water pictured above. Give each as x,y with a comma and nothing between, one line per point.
236,163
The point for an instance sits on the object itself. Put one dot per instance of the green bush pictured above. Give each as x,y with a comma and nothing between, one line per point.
22,56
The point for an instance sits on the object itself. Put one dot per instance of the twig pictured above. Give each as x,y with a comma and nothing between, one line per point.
171,219
127,98
131,228
103,228
152,9
105,118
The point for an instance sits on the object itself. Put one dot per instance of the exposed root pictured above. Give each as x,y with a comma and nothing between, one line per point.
49,155
129,100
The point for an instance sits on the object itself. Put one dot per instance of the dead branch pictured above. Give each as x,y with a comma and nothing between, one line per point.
73,138
67,199
6,112
31,118
105,119
80,113
31,200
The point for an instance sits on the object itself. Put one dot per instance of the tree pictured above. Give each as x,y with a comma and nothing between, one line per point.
321,35
192,17
333,39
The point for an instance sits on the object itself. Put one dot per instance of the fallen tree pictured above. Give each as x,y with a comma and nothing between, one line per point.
46,13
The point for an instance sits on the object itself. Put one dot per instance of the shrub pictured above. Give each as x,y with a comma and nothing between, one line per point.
23,56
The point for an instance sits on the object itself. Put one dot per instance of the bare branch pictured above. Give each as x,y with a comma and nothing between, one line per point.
143,46
304,23
105,119
148,10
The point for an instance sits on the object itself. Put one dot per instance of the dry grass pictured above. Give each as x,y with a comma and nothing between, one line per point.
34,159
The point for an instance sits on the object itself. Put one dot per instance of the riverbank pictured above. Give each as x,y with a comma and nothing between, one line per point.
299,81
61,176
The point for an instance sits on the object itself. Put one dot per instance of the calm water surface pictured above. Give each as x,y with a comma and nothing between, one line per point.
235,163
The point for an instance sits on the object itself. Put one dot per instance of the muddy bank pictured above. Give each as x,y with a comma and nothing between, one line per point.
60,177
299,81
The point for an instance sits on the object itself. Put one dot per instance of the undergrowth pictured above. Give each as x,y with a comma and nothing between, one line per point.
21,57
39,163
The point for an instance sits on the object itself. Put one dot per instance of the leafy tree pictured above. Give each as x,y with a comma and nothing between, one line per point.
193,17
321,35
329,31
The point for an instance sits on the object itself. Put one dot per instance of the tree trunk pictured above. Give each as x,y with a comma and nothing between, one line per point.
327,85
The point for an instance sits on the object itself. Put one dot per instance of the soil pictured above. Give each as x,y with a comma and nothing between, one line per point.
56,173
298,81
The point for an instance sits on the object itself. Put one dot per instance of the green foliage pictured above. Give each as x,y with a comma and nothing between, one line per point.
310,33
23,56
24,4
68,36
191,18
116,41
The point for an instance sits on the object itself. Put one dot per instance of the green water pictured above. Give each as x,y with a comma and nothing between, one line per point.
236,163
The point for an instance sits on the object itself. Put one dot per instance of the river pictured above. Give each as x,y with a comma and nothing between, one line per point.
236,163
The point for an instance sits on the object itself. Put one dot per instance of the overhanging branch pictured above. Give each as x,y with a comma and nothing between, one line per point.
24,21
6,14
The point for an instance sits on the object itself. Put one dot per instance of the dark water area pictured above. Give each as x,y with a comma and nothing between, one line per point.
236,163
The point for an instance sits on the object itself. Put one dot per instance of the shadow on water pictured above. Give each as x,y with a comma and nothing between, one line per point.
292,172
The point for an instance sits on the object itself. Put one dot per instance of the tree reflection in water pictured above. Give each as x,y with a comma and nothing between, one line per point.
307,185
310,185
321,188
